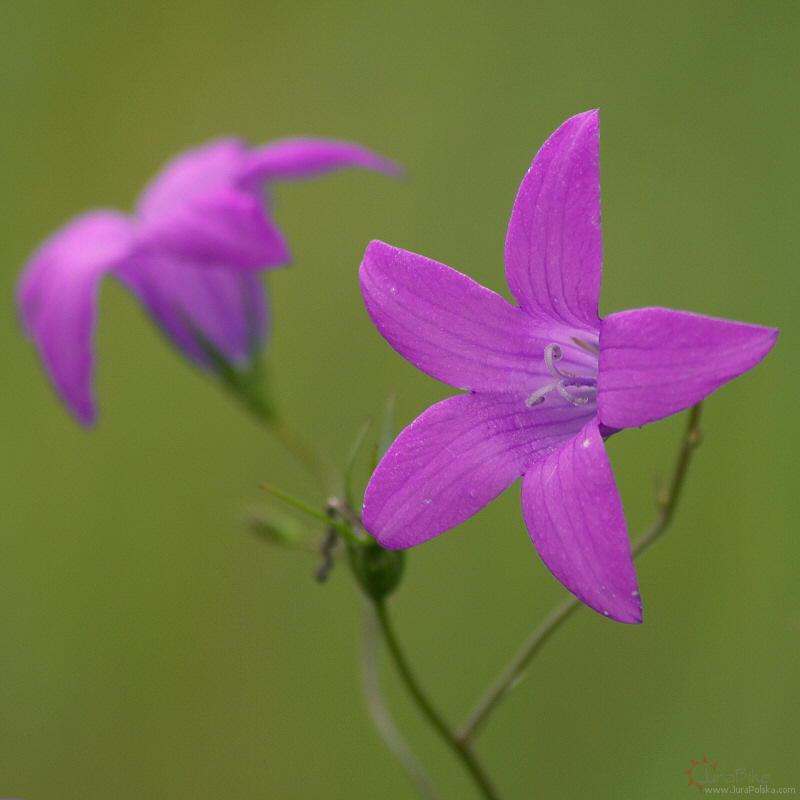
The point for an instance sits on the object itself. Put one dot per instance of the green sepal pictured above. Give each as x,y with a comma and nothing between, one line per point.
246,383
378,571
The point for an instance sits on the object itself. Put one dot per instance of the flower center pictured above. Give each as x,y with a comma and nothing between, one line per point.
573,388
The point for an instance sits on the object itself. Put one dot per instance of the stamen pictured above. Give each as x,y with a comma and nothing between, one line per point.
537,398
552,353
589,347
575,400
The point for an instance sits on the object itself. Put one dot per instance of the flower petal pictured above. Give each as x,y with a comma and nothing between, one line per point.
655,361
57,298
450,326
454,459
227,306
293,159
189,175
554,246
221,225
209,205
574,513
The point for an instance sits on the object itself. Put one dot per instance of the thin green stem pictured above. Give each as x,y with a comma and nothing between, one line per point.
379,710
669,500
461,749
513,673
292,439
248,387
306,454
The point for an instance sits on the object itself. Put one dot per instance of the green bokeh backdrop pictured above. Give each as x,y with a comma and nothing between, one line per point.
149,646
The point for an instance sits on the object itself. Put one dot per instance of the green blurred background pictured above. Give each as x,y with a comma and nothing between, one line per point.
149,645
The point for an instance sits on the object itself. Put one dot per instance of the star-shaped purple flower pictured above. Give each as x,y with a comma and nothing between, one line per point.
548,380
191,253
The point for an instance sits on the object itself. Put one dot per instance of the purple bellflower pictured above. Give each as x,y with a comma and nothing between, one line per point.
191,253
548,380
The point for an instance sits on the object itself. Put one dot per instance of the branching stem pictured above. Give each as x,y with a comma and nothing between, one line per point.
380,711
514,671
461,749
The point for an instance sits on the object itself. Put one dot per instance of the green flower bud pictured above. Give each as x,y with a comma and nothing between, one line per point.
377,571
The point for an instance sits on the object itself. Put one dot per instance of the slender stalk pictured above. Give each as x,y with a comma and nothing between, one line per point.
248,386
305,454
250,393
668,502
513,672
380,712
461,749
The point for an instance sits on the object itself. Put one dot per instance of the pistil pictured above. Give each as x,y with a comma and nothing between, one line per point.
563,381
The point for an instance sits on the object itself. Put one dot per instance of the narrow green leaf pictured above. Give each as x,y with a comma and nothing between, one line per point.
276,528
350,462
312,512
387,432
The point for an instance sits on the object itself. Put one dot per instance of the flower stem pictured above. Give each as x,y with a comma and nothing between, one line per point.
380,712
461,748
305,454
668,502
249,386
692,437
250,394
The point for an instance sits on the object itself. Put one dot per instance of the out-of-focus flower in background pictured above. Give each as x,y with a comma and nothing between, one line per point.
191,253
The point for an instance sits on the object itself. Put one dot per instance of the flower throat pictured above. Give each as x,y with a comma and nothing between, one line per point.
573,388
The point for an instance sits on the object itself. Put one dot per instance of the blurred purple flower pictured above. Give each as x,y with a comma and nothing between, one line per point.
547,380
191,253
